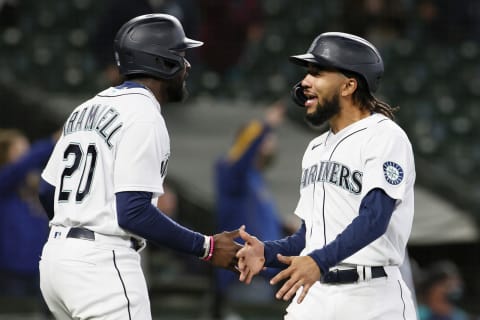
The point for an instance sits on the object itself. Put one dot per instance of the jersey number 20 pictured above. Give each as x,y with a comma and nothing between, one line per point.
88,169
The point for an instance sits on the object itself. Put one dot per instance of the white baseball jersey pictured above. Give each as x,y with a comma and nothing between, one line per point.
338,170
116,141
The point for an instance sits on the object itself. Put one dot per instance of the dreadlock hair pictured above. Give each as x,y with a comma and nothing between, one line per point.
366,100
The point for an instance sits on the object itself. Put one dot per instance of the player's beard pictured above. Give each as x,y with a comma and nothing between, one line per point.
324,112
177,90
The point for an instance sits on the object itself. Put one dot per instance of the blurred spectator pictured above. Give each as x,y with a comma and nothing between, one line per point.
444,21
187,11
23,223
429,24
226,28
168,202
243,199
116,12
381,21
440,289
9,12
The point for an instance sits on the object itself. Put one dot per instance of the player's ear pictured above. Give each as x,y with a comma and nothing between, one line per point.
349,87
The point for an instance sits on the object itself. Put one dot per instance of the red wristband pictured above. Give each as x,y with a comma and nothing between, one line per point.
210,251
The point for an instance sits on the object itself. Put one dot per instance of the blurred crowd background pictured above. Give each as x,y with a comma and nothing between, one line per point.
54,54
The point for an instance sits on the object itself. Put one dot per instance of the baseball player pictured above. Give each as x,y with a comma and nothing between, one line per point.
103,176
356,195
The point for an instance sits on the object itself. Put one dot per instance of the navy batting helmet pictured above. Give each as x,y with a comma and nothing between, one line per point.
345,52
150,44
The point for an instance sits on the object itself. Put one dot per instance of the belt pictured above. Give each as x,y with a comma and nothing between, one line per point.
86,234
81,233
350,275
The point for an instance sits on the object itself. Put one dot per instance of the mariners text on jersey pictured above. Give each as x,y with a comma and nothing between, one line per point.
100,118
334,173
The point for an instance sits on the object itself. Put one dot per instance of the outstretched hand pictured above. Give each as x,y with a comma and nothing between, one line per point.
275,114
303,271
225,250
251,257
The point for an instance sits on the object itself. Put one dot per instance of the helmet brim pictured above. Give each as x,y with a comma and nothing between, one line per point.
305,59
189,43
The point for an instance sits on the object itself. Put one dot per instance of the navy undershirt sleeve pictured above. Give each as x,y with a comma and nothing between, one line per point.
137,215
376,210
46,194
289,246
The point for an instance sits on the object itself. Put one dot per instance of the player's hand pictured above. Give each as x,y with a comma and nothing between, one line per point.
225,250
303,271
251,258
275,114
56,135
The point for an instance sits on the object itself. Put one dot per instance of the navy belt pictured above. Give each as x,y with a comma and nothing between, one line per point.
85,234
81,233
349,275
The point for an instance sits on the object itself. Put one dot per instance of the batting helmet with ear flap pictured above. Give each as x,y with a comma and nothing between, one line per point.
151,45
345,52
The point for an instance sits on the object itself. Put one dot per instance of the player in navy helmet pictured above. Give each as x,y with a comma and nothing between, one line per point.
103,176
356,195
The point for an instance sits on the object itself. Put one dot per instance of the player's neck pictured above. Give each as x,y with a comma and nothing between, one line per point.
348,115
154,86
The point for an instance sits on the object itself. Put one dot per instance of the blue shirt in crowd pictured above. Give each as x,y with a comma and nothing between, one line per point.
242,194
23,223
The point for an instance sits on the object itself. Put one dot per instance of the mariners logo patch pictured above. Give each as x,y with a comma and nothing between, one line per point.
393,172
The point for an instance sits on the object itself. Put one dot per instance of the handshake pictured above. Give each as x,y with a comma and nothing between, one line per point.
248,260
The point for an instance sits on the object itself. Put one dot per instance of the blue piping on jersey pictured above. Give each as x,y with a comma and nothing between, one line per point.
323,184
130,85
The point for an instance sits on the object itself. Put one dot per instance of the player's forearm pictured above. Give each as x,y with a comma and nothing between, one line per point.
137,215
46,195
289,246
375,212
14,173
247,144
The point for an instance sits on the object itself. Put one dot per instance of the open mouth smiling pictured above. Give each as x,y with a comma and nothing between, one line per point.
312,99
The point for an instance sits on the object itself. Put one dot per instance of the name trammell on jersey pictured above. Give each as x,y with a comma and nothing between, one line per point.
100,118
